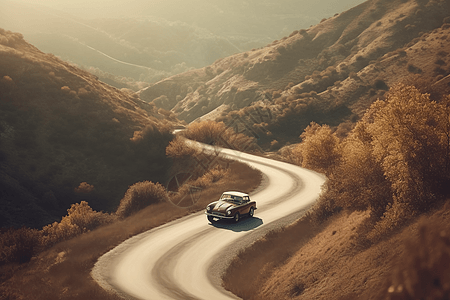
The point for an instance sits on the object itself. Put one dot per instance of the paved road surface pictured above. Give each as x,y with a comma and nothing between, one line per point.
185,258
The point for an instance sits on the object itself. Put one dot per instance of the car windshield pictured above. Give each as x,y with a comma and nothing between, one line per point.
231,198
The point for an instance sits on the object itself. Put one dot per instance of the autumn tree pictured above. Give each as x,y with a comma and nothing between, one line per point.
411,141
395,162
358,182
320,148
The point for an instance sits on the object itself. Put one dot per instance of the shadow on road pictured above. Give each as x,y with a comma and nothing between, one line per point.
246,224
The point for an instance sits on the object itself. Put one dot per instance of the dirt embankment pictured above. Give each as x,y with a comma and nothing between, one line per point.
330,261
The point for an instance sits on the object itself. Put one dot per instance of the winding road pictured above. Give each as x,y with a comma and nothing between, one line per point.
184,259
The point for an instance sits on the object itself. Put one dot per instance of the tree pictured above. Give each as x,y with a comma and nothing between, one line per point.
320,148
359,182
411,141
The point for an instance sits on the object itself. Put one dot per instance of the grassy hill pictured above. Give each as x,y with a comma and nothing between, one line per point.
67,137
329,73
133,44
61,127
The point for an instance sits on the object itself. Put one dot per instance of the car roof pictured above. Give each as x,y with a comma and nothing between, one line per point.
240,194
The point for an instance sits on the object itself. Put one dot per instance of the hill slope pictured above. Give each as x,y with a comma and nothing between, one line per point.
329,73
60,127
134,43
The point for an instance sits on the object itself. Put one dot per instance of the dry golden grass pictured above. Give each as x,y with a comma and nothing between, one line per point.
331,262
252,267
63,271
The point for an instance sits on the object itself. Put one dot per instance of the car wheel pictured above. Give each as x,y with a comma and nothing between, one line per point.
237,217
211,219
251,212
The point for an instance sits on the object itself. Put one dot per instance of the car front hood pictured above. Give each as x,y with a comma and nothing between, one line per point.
222,206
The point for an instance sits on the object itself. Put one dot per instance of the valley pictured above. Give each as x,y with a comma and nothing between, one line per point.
89,156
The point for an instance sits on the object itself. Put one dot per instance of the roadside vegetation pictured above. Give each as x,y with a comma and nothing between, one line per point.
83,166
219,134
329,73
380,228
58,250
66,137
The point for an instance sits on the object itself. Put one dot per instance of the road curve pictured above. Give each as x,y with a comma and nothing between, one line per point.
184,259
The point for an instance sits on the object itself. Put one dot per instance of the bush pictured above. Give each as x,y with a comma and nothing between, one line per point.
211,176
139,196
80,219
381,85
414,69
385,165
406,128
217,133
178,148
18,245
84,188
320,148
358,182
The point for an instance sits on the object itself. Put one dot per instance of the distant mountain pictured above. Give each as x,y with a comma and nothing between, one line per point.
67,137
134,43
329,73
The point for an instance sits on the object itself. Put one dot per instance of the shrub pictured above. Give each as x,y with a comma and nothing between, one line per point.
440,62
406,128
84,188
358,182
385,164
354,76
211,176
9,38
178,148
139,196
320,148
7,80
217,133
414,69
18,245
65,89
292,154
80,219
381,85
276,94
274,144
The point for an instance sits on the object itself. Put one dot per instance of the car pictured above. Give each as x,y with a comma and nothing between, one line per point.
232,206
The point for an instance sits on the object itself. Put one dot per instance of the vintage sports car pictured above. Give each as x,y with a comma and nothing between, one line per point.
231,205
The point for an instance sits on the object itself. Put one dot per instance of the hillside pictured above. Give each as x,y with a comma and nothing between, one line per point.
67,137
329,73
132,44
328,262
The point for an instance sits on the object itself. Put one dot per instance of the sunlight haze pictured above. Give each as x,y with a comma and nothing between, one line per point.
182,8
146,41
